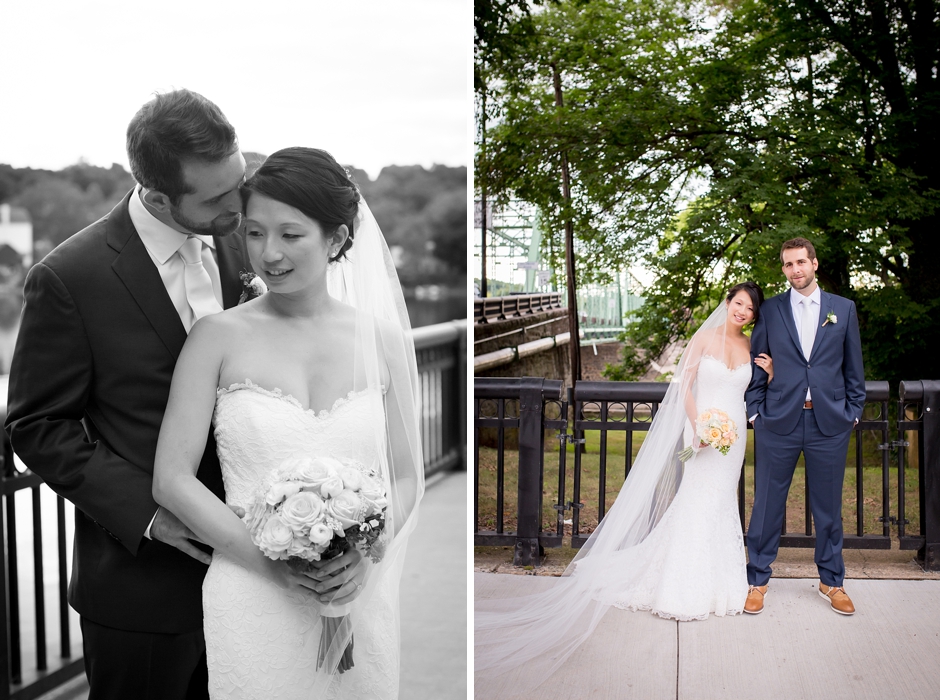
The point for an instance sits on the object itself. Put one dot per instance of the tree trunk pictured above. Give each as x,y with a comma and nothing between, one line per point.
574,345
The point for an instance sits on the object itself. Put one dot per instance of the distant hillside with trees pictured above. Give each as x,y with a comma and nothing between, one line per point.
422,212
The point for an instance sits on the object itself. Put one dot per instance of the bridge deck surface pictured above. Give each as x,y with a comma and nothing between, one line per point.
797,648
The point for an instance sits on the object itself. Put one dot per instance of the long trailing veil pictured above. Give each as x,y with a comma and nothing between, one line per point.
384,360
539,632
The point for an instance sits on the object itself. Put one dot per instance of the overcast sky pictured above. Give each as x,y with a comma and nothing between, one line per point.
374,82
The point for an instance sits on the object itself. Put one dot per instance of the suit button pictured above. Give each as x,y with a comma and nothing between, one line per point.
808,366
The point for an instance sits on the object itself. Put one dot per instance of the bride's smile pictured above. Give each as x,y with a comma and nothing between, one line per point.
740,310
287,248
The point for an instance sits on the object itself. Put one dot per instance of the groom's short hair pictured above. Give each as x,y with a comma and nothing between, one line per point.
798,243
173,127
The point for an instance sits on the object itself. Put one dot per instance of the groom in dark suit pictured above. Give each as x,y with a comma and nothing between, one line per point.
105,316
815,399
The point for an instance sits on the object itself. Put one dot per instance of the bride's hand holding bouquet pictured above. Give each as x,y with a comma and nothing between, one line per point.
323,518
714,428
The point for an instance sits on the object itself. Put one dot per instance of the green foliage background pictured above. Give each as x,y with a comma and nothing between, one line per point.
700,136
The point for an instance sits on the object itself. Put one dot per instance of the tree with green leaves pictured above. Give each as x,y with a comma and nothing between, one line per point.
701,137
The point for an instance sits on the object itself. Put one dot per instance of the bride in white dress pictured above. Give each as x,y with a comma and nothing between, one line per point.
672,541
320,365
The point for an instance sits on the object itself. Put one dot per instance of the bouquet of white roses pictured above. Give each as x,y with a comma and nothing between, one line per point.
315,509
713,429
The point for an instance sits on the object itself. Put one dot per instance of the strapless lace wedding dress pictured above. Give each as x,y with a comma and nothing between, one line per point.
693,562
261,641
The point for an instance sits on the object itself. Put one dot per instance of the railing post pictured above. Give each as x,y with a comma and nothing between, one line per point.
460,377
526,552
929,555
6,466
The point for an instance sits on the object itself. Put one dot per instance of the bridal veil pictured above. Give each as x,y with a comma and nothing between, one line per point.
539,632
384,359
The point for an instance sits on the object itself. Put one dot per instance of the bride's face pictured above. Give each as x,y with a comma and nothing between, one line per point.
740,309
287,248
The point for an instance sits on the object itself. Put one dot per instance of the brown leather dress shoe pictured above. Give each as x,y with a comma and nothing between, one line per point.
755,599
838,599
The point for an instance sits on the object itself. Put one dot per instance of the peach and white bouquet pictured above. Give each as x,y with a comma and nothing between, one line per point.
315,509
713,429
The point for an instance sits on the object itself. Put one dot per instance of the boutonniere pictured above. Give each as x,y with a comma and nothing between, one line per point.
831,318
252,287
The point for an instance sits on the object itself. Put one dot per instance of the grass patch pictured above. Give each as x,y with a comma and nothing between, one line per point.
873,494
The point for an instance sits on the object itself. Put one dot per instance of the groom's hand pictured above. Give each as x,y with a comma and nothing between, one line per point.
170,530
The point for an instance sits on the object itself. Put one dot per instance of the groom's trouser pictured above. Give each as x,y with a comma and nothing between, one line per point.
121,665
775,458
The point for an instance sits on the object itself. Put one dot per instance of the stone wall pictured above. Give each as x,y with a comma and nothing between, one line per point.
593,365
551,364
530,327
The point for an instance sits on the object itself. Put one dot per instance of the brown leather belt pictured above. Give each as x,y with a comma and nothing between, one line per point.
807,404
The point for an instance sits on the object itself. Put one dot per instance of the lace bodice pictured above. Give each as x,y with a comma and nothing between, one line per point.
261,642
723,388
256,429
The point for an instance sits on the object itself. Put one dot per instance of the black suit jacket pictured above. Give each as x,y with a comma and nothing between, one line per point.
89,383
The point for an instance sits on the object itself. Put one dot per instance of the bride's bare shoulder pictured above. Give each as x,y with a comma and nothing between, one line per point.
219,329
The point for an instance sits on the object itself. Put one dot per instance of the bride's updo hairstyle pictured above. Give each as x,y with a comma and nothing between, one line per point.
753,291
311,181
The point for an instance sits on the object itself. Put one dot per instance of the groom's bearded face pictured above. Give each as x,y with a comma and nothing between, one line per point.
214,207
799,270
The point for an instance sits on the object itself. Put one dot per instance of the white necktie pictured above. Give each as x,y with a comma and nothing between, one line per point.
199,292
807,334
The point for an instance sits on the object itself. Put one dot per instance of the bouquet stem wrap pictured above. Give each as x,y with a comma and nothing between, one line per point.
331,625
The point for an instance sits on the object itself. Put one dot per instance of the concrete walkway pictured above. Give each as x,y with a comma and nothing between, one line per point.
433,600
796,649
434,595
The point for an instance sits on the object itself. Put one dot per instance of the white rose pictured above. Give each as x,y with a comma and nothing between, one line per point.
332,486
314,472
278,492
373,494
301,510
320,534
276,537
352,478
346,508
292,466
258,287
299,547
329,463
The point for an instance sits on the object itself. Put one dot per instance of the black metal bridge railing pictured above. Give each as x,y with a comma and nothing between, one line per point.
27,668
525,410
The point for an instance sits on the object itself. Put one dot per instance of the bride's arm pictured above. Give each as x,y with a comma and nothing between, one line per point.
689,375
182,441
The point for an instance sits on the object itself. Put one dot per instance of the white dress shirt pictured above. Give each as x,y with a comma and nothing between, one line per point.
163,244
815,301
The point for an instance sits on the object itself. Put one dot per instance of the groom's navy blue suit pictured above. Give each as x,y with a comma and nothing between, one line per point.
783,428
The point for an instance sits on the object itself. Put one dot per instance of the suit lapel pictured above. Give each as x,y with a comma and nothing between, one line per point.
787,313
138,273
822,331
230,251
